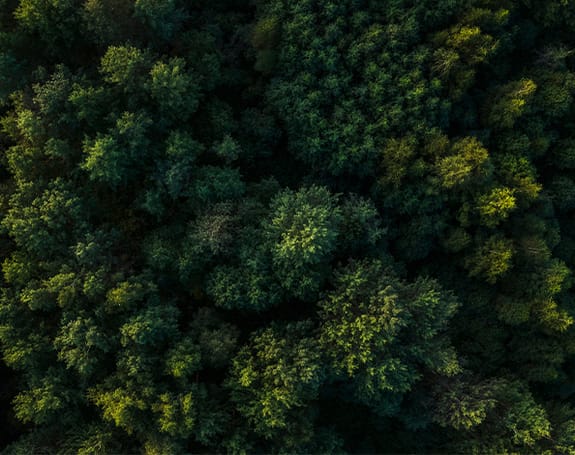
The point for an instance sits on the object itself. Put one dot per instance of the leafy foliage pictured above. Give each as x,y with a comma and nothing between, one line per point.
287,227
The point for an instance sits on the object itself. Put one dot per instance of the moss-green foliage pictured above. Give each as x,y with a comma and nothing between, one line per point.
313,226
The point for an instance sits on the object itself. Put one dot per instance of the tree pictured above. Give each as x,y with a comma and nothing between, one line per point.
302,232
467,162
125,66
55,23
495,206
491,259
275,377
111,158
383,334
163,18
174,89
506,408
43,225
108,22
510,102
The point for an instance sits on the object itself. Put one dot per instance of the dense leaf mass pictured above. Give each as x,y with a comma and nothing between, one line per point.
312,226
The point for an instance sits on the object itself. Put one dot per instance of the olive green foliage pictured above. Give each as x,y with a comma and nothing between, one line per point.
308,226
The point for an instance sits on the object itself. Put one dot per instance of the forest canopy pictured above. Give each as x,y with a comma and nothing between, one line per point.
274,226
